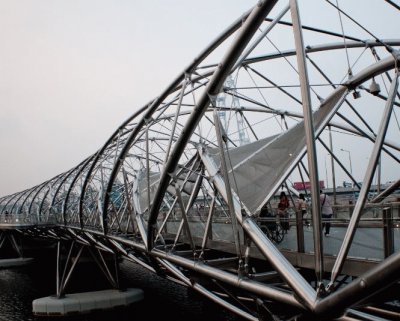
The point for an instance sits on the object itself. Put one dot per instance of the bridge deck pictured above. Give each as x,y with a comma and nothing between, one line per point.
367,249
363,254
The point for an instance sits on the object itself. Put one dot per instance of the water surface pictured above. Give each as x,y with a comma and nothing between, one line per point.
163,298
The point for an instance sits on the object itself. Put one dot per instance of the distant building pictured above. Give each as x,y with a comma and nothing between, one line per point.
300,186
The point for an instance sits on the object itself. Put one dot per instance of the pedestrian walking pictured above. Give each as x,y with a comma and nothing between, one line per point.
326,212
302,207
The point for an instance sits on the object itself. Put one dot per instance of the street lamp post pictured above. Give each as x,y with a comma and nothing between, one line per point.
326,172
351,169
332,165
347,151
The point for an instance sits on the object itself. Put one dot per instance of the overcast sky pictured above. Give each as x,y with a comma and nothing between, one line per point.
72,71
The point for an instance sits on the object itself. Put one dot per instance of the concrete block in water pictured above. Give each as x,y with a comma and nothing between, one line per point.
80,303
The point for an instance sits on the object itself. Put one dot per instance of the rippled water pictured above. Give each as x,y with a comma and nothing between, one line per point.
163,298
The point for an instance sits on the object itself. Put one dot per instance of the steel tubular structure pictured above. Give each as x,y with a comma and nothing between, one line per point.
180,185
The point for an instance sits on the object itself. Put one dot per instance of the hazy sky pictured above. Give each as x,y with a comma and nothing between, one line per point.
72,71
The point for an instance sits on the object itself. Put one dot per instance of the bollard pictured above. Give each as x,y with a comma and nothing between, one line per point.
388,232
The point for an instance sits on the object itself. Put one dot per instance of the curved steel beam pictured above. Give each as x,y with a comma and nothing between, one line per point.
309,49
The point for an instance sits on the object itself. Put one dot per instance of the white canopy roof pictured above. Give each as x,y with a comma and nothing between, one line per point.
256,170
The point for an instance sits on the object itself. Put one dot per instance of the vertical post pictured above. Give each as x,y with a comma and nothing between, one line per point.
300,231
117,283
351,173
208,228
332,166
378,190
58,270
388,240
326,172
310,139
148,165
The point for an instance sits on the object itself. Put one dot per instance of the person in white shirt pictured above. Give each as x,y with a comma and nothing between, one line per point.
302,207
326,211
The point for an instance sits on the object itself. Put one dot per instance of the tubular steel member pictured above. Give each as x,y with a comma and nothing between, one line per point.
200,289
388,237
310,138
65,271
221,138
374,281
238,281
389,190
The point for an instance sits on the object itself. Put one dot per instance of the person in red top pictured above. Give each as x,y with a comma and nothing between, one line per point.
283,210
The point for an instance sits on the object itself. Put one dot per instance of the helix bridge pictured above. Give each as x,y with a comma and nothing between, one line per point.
178,188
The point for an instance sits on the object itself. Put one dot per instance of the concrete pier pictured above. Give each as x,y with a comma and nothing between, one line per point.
82,303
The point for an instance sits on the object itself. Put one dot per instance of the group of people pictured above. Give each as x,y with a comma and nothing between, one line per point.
301,206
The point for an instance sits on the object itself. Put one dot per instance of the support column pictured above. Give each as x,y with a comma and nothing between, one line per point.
310,139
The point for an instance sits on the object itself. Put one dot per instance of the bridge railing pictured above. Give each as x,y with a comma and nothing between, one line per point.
377,235
24,219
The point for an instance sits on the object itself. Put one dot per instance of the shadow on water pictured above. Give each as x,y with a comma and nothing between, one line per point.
163,298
